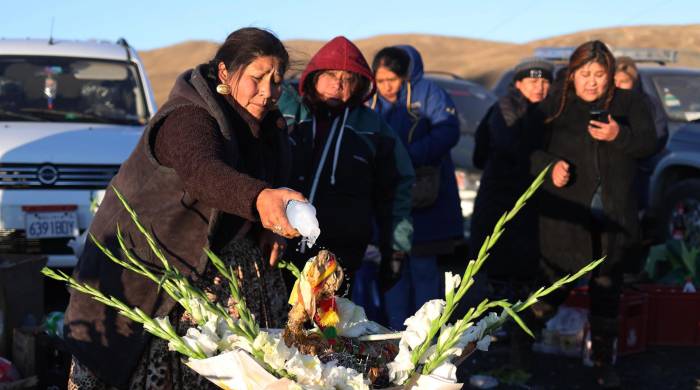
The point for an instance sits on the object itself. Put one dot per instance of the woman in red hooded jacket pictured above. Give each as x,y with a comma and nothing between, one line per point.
348,161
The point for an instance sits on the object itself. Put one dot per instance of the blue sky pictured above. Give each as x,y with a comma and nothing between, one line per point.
151,24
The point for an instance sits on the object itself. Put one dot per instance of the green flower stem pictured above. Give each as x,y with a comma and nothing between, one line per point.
474,266
163,330
510,309
455,333
180,289
289,266
246,317
171,281
169,278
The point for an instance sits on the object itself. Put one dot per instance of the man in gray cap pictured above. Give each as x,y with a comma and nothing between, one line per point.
503,143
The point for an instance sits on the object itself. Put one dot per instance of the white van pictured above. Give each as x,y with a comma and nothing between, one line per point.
70,114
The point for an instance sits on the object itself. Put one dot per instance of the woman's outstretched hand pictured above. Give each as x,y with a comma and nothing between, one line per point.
271,205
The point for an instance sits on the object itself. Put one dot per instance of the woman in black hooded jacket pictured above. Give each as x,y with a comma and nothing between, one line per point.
504,142
588,209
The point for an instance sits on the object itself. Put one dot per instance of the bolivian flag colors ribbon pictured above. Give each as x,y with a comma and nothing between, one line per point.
324,312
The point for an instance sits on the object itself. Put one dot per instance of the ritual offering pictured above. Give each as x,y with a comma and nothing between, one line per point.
328,342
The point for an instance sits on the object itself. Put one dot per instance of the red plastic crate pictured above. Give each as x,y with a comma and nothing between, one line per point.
674,316
634,313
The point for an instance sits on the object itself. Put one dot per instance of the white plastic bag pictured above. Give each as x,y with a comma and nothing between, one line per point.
302,216
564,332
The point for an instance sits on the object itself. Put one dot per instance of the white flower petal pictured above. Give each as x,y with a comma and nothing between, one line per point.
307,369
428,354
446,371
483,344
451,283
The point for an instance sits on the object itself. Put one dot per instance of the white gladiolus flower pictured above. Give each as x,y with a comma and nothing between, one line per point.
417,329
163,322
353,320
275,351
414,338
209,329
343,378
490,319
483,344
197,340
446,371
445,334
196,310
428,354
418,325
451,283
231,341
261,339
276,354
355,381
307,369
401,367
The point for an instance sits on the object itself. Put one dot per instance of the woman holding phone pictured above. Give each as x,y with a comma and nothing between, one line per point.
592,135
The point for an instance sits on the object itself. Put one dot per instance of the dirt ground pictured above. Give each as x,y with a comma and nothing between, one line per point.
662,368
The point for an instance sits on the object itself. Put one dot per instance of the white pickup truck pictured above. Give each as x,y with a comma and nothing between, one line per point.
70,114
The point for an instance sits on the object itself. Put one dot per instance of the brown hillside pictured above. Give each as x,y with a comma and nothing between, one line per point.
479,60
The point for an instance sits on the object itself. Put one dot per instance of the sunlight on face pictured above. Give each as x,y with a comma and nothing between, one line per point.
590,81
534,89
257,86
388,83
623,80
335,87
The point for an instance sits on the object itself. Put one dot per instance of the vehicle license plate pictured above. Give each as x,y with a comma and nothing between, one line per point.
51,224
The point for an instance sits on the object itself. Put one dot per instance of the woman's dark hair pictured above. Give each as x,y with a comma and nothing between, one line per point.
243,46
591,51
392,58
361,88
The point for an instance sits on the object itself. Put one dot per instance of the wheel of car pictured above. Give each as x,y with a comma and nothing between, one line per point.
680,212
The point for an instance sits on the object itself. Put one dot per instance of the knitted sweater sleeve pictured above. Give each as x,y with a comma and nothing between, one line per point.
189,142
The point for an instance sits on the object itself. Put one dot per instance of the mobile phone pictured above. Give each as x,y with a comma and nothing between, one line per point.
599,115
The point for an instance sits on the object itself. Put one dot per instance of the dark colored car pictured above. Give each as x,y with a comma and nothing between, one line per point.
472,101
673,208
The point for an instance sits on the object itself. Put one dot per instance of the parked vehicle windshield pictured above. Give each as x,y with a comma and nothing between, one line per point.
680,96
62,89
472,103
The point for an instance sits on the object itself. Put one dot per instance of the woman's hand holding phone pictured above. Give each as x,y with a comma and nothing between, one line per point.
602,126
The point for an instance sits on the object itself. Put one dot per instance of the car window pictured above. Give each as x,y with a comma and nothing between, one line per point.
62,89
471,101
679,95
502,85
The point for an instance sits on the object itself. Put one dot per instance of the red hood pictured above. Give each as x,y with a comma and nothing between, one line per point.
339,54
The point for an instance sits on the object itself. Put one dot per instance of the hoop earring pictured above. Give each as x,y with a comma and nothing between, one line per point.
223,89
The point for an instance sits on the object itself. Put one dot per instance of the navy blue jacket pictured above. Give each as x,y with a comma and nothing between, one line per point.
436,132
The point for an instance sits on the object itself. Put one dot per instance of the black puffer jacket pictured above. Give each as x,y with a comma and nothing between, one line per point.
565,213
506,144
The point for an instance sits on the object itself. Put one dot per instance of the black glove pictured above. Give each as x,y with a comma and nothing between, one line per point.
390,270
